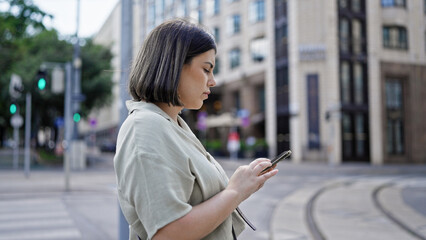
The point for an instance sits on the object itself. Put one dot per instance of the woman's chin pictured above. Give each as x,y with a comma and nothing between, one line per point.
196,106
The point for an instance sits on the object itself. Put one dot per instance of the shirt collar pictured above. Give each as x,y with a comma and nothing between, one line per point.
133,105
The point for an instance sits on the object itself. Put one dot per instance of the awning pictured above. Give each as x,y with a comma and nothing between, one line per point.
222,120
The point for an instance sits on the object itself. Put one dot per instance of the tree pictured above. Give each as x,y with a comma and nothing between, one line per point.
21,20
96,76
24,54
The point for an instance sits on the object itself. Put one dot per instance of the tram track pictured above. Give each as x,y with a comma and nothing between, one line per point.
392,216
320,234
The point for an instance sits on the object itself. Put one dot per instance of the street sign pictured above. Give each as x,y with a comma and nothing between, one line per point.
93,122
59,122
16,121
58,77
15,86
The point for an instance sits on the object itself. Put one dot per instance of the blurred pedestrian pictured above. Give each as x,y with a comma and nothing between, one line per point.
169,187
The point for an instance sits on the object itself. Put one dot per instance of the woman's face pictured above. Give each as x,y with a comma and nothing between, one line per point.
196,79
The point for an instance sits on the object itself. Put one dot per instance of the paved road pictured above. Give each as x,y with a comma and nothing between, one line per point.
38,208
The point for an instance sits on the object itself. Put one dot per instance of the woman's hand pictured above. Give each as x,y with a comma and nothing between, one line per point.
246,179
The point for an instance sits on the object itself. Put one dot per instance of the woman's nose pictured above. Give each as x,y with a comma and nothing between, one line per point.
211,82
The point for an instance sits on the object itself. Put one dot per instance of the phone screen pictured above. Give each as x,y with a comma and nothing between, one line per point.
280,157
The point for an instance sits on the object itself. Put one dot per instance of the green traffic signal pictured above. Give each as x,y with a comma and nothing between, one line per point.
41,79
76,117
41,83
13,108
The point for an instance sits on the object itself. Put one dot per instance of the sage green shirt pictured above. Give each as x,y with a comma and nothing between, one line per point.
163,171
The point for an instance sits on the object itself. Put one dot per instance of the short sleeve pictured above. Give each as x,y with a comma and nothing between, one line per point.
161,194
156,179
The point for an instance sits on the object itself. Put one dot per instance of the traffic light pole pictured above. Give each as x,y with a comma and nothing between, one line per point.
27,134
16,147
76,73
126,57
68,124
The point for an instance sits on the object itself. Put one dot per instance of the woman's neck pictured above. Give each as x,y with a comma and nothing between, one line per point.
171,110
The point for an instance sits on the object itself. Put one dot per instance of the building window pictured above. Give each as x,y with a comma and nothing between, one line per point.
151,17
360,135
345,82
343,4
216,7
359,83
195,15
216,33
195,4
234,22
356,36
356,5
394,117
216,69
258,49
234,58
257,11
313,111
280,9
212,7
395,37
281,41
347,135
237,100
282,87
344,35
393,3
159,10
261,98
182,9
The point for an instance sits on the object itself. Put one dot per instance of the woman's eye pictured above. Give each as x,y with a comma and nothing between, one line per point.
207,71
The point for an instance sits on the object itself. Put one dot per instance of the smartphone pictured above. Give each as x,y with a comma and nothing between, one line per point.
280,157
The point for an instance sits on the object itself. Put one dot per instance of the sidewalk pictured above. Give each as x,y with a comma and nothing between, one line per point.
39,208
353,208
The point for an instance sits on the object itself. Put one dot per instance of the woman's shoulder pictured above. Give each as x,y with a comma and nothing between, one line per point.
143,123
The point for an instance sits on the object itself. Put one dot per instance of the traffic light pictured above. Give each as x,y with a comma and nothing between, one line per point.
41,80
76,117
13,108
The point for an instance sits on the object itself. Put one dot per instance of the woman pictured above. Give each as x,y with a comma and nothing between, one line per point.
169,187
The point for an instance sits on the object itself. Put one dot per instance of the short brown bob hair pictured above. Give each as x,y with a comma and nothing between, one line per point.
156,70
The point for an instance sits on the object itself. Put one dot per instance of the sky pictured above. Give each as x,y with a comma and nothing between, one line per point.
93,14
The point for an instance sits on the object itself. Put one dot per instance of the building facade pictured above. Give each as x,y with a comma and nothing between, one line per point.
334,81
356,70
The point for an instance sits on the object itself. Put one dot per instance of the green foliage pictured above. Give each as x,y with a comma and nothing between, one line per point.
25,44
47,158
213,145
21,20
96,77
261,144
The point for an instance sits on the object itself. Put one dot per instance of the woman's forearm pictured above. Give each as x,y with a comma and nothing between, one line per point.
202,219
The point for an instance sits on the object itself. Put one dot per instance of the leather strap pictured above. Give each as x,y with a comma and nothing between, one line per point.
233,233
245,219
